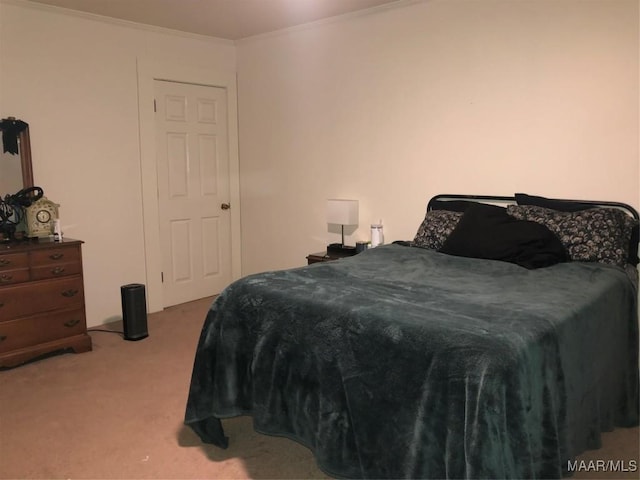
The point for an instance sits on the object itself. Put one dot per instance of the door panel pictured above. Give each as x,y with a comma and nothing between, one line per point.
193,181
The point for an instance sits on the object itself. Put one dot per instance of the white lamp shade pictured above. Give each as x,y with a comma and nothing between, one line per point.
342,212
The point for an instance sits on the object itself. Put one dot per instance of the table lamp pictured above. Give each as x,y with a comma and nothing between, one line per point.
342,212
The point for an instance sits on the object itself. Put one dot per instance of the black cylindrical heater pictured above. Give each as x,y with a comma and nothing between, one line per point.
134,311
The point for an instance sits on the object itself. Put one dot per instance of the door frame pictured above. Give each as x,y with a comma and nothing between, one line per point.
149,71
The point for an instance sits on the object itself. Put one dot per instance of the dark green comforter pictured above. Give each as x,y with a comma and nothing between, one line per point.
405,362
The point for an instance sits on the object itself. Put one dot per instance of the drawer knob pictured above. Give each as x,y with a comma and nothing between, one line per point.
3,338
4,262
6,278
71,323
70,293
57,270
56,256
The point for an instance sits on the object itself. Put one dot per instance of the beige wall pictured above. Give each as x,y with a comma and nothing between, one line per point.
455,96
388,108
73,78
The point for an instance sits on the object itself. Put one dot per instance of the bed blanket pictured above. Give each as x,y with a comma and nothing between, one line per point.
403,362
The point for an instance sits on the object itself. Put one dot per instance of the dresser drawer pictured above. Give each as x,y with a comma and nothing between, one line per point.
12,261
54,270
16,334
55,255
8,277
37,297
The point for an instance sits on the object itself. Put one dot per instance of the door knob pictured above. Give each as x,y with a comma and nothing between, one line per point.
225,206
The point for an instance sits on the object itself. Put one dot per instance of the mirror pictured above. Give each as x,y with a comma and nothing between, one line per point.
16,171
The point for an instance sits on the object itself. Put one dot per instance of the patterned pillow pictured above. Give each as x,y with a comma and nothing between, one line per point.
436,228
595,235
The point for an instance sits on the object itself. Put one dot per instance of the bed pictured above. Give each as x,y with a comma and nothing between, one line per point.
498,343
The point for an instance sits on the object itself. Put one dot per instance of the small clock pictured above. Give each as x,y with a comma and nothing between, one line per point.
43,216
39,217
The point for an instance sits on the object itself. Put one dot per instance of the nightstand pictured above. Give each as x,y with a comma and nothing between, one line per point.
325,257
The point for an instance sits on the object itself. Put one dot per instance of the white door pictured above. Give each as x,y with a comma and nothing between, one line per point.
193,190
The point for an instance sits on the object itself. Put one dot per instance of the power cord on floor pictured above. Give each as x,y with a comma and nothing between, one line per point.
105,331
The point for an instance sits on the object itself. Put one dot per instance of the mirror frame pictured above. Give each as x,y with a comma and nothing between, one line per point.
25,158
24,149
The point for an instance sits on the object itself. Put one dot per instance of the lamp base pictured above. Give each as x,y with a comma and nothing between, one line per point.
341,249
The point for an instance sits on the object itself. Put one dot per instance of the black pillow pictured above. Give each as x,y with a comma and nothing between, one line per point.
573,206
560,205
488,231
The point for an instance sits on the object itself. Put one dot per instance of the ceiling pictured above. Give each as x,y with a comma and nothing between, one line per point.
229,19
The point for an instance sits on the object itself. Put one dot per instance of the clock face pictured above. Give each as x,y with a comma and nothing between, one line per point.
43,216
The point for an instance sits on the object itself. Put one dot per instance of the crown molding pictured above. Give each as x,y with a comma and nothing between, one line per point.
206,38
331,20
115,21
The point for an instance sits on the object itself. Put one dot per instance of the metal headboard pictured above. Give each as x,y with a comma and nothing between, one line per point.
505,199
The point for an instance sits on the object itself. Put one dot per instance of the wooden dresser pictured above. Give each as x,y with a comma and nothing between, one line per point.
41,300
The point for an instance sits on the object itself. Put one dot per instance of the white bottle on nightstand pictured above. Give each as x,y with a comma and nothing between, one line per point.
377,236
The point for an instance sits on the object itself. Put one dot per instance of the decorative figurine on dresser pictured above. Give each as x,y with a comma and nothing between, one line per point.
42,307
